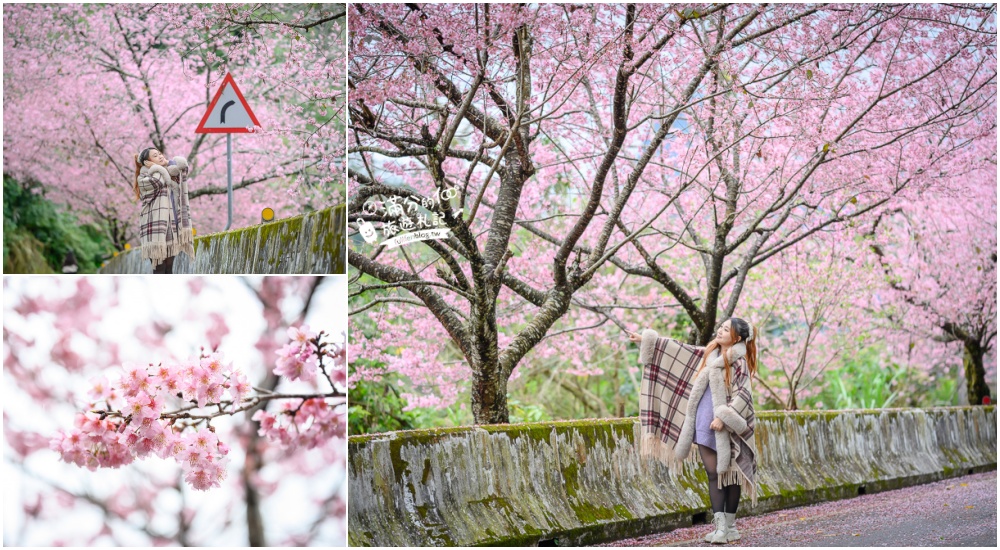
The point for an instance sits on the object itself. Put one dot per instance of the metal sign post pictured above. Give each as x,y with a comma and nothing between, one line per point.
230,116
229,179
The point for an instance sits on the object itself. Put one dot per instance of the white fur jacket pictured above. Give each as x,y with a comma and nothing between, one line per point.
712,378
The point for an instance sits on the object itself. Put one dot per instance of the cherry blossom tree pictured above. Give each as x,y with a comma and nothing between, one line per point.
88,86
208,412
812,305
571,150
939,257
776,150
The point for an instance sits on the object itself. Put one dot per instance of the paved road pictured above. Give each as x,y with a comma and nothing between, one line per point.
960,511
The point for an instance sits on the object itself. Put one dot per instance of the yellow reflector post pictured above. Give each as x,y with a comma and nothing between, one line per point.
266,215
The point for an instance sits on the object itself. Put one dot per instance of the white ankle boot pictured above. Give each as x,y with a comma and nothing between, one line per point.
718,535
731,532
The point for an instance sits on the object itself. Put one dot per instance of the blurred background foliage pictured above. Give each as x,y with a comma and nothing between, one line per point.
38,235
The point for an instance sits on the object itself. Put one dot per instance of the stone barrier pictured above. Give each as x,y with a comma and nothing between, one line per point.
583,482
308,243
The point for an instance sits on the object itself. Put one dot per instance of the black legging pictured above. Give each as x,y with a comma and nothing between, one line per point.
166,266
726,499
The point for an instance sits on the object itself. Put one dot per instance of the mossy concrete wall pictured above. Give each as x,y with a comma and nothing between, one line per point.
308,243
582,482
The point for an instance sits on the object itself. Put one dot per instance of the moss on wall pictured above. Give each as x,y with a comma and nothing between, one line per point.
307,243
582,481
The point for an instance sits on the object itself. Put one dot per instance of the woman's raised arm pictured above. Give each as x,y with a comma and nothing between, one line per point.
182,164
154,180
648,339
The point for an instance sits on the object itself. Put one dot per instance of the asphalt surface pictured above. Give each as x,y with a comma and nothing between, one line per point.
960,511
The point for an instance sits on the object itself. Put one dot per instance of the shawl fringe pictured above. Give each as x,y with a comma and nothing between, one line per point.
651,446
736,475
176,248
155,251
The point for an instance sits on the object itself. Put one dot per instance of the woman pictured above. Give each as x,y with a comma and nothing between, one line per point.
165,219
702,396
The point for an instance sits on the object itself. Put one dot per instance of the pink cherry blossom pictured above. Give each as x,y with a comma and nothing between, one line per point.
296,363
91,428
307,424
141,406
663,177
100,391
297,359
239,387
158,98
301,335
145,426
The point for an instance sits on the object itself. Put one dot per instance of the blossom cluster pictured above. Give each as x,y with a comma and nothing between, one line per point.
307,353
134,424
166,410
297,360
308,424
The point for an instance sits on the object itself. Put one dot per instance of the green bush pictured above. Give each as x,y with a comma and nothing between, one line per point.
37,234
869,382
376,406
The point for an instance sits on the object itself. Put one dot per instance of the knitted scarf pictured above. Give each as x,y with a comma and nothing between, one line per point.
162,233
668,401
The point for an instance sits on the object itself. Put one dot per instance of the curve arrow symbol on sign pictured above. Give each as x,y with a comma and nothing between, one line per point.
215,114
222,113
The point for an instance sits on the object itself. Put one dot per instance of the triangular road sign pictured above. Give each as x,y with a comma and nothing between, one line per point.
228,113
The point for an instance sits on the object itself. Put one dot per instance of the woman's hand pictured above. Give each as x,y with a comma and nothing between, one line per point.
634,337
717,425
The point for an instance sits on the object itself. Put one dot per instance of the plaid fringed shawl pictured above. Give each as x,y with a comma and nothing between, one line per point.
161,233
668,400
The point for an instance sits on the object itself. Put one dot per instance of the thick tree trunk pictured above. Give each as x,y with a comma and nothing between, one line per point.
975,374
489,396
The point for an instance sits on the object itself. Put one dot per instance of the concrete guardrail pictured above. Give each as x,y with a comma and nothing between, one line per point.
582,482
308,243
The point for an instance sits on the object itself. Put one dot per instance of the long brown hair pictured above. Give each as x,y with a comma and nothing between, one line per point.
139,160
742,329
